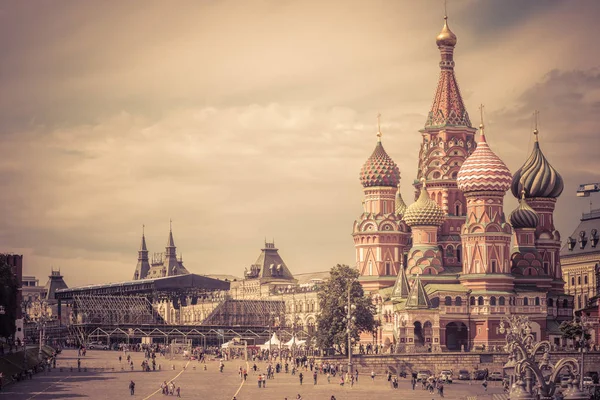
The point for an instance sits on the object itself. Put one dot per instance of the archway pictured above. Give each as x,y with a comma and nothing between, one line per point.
457,336
419,336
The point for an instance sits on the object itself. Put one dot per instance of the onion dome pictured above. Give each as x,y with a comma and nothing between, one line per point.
483,170
446,37
424,211
379,169
400,204
524,216
537,176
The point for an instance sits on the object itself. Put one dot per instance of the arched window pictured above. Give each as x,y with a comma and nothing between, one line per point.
388,268
435,302
458,301
572,281
450,251
537,301
579,280
472,301
448,301
459,253
525,301
585,279
480,301
501,301
492,301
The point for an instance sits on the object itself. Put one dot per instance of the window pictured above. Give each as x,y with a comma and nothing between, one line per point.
585,279
448,301
546,267
493,266
525,301
492,301
458,253
572,281
579,280
472,301
480,301
585,300
550,303
388,268
501,301
458,301
537,301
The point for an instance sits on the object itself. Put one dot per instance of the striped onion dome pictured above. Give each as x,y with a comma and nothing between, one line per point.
424,211
537,176
524,216
379,169
483,170
400,204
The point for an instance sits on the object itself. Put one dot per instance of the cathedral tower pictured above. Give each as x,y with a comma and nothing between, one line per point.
143,264
447,142
380,235
542,185
484,179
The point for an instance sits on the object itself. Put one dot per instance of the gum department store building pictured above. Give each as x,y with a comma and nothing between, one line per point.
442,271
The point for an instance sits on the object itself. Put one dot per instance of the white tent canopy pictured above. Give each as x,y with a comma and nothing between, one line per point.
294,341
274,341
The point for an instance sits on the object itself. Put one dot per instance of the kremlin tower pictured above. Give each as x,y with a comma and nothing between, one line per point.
484,179
447,142
380,235
542,185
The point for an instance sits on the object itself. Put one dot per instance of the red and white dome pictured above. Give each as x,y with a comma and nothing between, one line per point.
483,170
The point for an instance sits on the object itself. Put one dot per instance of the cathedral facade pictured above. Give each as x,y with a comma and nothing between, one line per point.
446,269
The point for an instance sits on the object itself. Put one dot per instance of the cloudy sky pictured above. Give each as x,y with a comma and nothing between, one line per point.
242,120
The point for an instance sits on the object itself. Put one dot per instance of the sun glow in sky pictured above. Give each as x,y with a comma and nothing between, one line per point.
242,120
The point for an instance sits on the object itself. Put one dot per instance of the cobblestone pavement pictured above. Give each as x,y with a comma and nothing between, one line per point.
103,377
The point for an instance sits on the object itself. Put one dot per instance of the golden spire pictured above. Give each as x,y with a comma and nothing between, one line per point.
535,119
481,126
379,127
446,36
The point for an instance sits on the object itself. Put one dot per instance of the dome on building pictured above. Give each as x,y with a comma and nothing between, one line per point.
524,216
424,211
379,169
537,176
483,170
400,204
446,37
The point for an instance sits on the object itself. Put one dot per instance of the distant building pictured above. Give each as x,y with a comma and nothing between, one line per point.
15,261
162,264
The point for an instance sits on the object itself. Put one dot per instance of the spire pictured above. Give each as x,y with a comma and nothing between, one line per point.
400,204
448,108
143,245
417,297
379,134
481,126
401,287
170,242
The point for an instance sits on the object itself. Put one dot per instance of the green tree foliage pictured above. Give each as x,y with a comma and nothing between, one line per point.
333,297
571,330
8,298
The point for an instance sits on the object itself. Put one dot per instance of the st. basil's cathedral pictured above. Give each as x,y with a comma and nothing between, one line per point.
442,270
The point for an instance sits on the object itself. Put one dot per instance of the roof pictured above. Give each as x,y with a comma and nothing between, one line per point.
55,282
401,287
417,297
448,287
177,282
308,277
589,224
269,265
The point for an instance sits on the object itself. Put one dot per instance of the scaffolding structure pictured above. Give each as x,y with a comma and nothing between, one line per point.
113,310
245,312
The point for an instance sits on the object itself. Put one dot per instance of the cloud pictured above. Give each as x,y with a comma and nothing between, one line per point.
246,120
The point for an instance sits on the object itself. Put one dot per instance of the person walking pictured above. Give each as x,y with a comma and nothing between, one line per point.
178,391
301,377
132,388
259,381
315,377
373,375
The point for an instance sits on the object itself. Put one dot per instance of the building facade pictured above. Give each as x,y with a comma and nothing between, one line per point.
459,275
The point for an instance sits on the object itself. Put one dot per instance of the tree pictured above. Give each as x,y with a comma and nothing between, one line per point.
8,298
573,330
333,297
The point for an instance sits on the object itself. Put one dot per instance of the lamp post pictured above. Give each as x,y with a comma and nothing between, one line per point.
584,324
350,319
523,349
